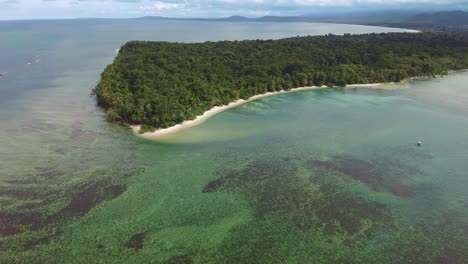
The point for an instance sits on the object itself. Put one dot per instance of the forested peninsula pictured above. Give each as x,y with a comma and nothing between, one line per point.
161,84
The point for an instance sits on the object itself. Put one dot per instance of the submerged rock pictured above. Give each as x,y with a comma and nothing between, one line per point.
136,241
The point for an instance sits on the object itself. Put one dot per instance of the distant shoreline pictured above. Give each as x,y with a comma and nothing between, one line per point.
218,109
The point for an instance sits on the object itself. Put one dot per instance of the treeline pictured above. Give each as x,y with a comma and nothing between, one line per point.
160,84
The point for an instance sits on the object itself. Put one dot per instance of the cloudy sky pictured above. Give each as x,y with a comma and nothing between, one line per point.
32,9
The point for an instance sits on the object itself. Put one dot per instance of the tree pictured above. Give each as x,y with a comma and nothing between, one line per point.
159,84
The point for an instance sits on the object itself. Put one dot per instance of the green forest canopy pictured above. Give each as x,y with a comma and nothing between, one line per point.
160,84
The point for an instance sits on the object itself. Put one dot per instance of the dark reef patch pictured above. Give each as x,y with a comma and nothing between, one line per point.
350,211
13,223
22,193
357,169
365,172
214,186
400,189
275,189
87,198
115,191
35,201
450,260
82,197
42,174
444,245
136,241
81,203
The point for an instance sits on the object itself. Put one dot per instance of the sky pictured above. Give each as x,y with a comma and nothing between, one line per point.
49,9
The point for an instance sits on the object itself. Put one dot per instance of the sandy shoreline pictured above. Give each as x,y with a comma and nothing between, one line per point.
218,109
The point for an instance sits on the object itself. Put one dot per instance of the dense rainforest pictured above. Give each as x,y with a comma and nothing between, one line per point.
160,84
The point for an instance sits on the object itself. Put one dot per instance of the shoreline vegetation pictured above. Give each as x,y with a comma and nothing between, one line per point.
161,132
157,86
218,109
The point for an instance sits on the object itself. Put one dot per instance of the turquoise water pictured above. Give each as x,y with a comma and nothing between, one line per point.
318,176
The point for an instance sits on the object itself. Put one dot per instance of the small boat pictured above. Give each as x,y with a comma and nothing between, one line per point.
2,74
419,143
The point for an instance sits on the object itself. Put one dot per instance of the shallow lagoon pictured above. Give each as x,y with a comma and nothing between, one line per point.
319,176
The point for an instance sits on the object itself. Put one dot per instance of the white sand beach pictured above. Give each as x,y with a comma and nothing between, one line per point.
217,109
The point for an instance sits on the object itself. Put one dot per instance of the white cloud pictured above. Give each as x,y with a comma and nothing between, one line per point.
159,6
23,9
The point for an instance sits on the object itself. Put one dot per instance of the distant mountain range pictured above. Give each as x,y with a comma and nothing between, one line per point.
444,17
237,19
443,20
